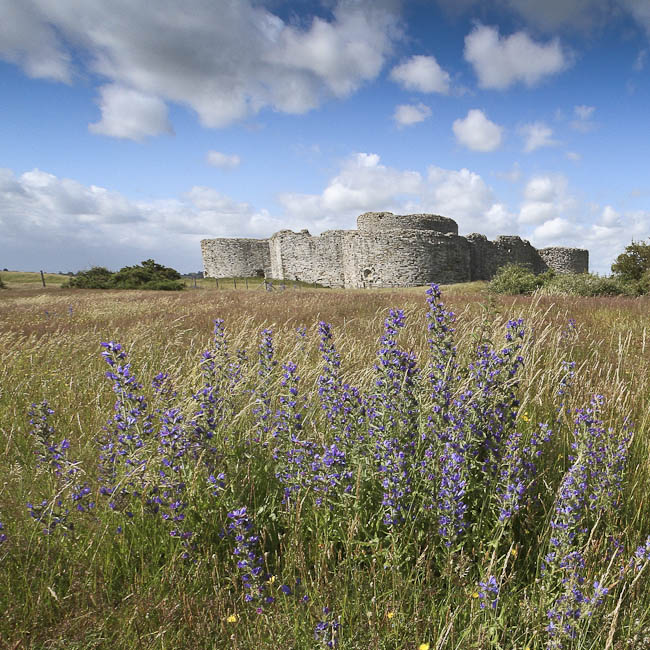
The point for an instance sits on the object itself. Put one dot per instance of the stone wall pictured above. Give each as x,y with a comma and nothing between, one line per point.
386,250
299,256
404,258
240,258
488,256
382,221
565,260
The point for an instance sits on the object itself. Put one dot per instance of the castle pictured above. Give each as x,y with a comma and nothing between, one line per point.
386,250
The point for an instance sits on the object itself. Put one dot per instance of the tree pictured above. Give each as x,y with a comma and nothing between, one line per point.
631,265
147,275
97,277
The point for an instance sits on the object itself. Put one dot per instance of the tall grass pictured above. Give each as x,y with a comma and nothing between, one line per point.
317,470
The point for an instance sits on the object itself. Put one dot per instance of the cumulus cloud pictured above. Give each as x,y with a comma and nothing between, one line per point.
421,73
225,60
545,198
130,114
223,160
477,132
537,135
408,114
605,237
61,224
500,62
364,183
27,39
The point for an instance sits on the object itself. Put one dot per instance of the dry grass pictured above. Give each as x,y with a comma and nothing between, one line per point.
50,350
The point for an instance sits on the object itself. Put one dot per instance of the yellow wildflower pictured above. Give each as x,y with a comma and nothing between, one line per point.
475,594
423,646
232,619
390,615
525,417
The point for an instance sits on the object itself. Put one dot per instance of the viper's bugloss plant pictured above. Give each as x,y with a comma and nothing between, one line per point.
69,493
454,492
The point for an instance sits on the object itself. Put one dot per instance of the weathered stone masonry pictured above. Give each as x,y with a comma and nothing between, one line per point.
386,250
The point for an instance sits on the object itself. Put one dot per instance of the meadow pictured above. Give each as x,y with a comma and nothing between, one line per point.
309,468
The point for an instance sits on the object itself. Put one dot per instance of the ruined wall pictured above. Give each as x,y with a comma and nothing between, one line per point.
229,257
404,258
488,256
565,260
382,221
387,250
299,256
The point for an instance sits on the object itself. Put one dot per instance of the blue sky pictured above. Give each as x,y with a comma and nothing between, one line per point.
133,130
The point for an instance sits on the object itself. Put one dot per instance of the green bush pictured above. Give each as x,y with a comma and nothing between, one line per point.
147,275
587,284
2,284
514,279
98,277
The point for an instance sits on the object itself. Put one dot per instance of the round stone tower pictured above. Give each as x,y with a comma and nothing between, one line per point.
382,221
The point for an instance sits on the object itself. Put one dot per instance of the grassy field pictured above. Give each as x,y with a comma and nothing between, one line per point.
31,280
464,494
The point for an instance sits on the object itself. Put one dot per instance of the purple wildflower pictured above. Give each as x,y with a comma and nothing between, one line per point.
488,593
326,631
249,557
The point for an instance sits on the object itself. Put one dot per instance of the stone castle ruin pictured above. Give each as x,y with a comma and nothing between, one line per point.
386,250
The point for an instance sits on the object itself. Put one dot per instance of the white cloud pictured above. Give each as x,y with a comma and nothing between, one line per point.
533,212
361,184
408,114
130,114
536,136
223,160
610,217
60,224
552,231
364,183
573,156
421,73
477,132
545,188
500,62
225,60
545,199
27,39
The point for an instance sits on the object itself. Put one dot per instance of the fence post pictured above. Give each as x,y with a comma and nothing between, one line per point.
42,278
247,283
234,282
